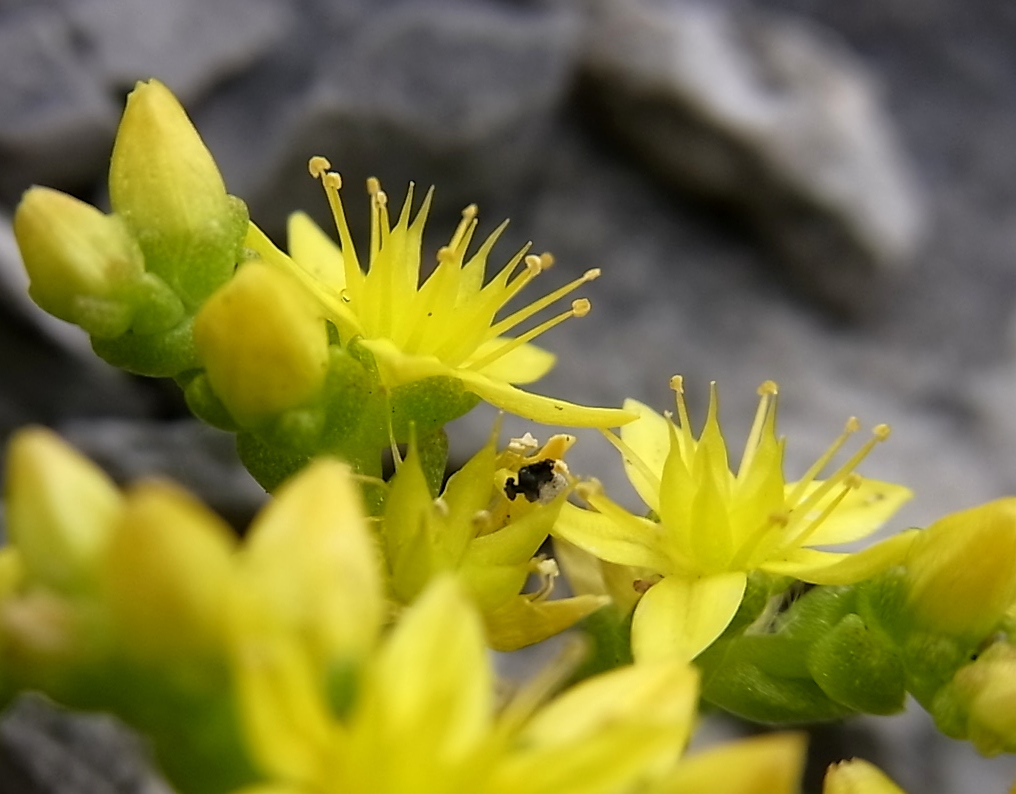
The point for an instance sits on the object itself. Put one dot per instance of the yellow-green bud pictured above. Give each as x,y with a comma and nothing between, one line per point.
60,510
80,261
961,571
167,574
262,342
988,689
166,186
858,777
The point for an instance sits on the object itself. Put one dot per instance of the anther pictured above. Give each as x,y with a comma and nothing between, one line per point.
592,274
769,388
332,180
589,488
373,185
317,165
470,212
534,264
677,384
580,307
881,432
547,260
853,425
853,481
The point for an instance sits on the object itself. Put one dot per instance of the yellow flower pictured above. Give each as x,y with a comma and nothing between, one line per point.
489,539
716,526
858,777
444,327
425,717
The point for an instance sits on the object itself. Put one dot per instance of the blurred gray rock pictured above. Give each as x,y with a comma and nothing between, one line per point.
46,750
767,113
460,94
196,456
188,44
56,120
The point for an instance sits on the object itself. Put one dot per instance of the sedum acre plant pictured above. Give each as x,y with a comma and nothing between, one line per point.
344,643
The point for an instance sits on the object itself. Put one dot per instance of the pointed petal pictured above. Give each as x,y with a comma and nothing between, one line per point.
610,733
397,368
770,764
649,438
862,511
618,537
430,694
522,621
312,564
834,568
315,251
524,364
282,706
857,776
679,618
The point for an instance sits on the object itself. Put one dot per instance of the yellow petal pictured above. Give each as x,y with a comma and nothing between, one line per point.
858,777
862,511
620,538
282,707
608,734
315,251
397,368
431,694
649,438
312,566
834,568
771,764
522,621
678,618
524,364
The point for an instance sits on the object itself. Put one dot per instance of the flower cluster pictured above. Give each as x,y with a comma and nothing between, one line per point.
343,643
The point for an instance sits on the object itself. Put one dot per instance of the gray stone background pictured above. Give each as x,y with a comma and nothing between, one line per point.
818,192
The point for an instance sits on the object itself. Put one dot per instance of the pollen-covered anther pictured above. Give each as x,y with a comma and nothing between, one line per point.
318,165
677,384
548,571
768,388
534,264
581,307
547,260
853,425
373,185
521,446
592,274
881,432
589,489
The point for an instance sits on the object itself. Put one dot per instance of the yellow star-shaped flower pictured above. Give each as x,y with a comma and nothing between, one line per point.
715,526
446,325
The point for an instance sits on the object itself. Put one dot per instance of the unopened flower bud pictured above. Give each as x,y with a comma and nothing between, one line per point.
961,571
165,184
262,343
858,777
167,574
987,690
60,510
81,263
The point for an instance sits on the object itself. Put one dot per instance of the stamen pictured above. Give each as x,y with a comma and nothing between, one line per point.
767,393
677,385
879,434
332,182
851,482
546,568
468,219
526,312
852,426
579,308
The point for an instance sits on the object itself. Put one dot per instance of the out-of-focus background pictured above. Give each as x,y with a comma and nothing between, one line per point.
818,192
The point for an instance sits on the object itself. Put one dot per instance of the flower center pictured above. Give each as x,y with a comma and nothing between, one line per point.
451,314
